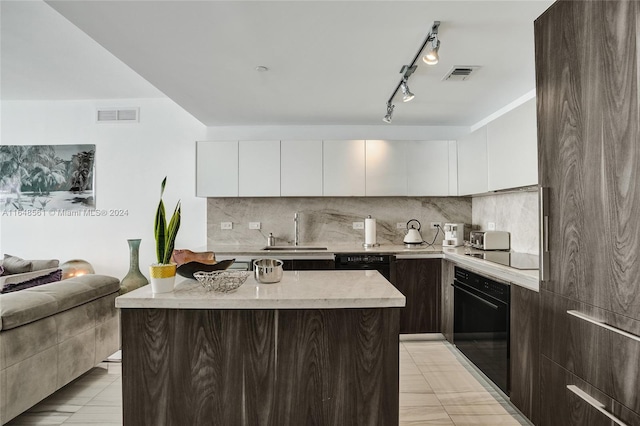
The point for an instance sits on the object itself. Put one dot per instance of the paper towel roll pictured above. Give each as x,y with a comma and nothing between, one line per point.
369,231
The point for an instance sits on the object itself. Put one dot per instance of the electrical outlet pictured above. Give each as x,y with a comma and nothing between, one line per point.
358,225
226,225
491,226
401,225
435,225
254,225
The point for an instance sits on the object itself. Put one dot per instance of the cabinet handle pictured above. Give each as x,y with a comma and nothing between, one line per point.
594,403
544,233
603,324
491,305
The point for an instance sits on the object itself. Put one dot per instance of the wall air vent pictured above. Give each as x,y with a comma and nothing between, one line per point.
118,115
460,73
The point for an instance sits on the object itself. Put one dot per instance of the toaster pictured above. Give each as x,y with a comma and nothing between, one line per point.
490,240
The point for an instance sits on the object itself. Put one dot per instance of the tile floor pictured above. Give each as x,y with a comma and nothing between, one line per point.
438,386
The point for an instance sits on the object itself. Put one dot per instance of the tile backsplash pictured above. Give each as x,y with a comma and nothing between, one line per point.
328,219
516,212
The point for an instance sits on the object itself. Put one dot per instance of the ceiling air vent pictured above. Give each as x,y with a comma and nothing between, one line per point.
460,73
118,115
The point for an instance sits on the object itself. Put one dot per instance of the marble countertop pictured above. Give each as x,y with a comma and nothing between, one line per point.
296,290
524,278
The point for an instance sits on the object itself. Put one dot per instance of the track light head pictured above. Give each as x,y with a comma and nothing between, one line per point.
407,95
432,58
387,118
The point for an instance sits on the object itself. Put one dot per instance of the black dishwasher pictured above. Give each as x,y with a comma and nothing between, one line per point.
383,263
481,324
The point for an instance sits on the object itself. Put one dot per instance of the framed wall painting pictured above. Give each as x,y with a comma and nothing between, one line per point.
47,177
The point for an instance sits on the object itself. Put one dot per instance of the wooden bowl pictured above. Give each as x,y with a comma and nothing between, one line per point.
187,269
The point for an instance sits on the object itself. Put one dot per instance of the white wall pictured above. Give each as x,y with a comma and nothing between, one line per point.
131,161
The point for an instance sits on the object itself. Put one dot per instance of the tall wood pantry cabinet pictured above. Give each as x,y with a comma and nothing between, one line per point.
587,58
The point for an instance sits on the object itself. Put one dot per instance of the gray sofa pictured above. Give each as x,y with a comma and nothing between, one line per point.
52,334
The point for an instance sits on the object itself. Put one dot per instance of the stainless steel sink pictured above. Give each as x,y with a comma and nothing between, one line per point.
293,248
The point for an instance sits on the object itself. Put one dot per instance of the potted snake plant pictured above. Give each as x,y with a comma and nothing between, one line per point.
163,273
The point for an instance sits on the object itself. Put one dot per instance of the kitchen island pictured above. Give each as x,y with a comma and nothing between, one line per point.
317,348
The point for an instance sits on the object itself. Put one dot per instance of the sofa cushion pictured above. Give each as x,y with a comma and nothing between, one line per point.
39,279
40,264
1,270
13,279
22,307
16,265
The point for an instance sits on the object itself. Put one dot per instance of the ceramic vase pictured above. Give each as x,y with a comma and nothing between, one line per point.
163,277
134,278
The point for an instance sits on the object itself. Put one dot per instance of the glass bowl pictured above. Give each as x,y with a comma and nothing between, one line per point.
221,281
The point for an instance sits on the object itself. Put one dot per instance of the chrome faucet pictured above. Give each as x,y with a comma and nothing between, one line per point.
295,229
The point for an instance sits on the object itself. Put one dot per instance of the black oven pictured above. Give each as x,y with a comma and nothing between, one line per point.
481,324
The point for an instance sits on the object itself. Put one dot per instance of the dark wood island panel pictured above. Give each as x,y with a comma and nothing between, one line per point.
260,367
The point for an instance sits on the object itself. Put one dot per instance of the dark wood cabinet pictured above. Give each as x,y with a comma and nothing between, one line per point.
419,281
446,300
589,150
308,264
569,401
588,103
288,367
525,351
602,357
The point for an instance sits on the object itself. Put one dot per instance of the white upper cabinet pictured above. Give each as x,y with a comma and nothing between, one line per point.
472,163
217,169
430,165
259,169
344,168
512,148
301,168
386,168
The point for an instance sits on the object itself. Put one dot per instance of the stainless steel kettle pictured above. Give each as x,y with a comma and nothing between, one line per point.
413,235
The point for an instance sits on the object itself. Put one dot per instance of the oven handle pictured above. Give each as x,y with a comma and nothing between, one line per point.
491,305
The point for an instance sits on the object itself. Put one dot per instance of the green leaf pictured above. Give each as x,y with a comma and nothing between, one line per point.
172,232
166,235
160,231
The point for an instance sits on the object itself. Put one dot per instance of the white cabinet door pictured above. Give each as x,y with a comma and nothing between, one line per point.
301,168
343,168
512,148
217,169
259,171
472,163
428,168
453,168
386,168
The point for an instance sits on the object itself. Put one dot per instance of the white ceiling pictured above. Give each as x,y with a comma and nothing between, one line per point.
330,62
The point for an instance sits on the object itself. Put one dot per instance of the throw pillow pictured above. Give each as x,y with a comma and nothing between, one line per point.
15,265
34,282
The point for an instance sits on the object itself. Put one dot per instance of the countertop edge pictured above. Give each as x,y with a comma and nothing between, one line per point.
288,304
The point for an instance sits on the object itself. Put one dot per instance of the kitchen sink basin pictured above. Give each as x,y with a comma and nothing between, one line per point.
293,248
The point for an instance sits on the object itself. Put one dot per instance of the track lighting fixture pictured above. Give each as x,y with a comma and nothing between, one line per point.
387,118
407,95
431,58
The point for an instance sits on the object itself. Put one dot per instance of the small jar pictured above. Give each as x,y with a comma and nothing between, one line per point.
271,240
